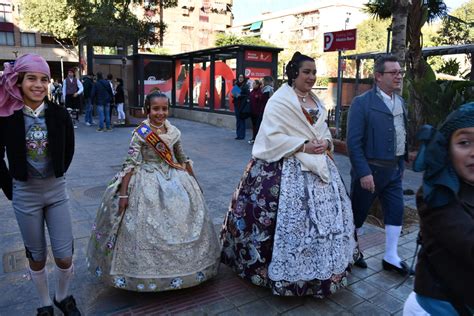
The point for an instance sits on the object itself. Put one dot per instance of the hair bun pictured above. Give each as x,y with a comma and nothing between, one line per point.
295,56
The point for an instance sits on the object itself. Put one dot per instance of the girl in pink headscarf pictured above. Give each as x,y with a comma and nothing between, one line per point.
38,137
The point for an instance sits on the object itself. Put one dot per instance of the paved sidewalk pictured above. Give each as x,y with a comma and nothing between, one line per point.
219,161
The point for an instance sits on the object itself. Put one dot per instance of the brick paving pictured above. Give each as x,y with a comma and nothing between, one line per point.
219,161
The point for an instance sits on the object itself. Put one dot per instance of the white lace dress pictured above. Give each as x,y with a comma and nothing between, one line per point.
314,236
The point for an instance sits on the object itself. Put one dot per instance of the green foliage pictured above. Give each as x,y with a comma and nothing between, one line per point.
100,23
231,39
450,67
458,28
372,36
439,98
322,81
55,18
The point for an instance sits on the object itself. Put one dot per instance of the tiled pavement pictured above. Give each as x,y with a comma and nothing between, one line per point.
219,161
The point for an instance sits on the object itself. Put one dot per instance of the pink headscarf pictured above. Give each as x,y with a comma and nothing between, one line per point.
10,94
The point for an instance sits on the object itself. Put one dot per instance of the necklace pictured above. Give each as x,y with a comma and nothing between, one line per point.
157,127
303,97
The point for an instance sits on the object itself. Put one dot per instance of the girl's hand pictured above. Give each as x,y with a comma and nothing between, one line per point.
123,204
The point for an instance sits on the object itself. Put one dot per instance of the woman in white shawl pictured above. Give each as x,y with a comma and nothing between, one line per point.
289,225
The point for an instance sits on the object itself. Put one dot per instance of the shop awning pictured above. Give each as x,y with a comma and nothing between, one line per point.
256,26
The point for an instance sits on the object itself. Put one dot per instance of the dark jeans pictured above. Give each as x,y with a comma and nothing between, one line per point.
240,125
388,188
256,121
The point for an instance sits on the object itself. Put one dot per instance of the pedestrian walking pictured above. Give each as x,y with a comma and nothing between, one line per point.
153,231
290,225
377,146
119,101
256,106
88,84
444,270
241,92
101,95
38,137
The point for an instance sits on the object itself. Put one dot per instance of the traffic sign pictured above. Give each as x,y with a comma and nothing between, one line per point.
341,40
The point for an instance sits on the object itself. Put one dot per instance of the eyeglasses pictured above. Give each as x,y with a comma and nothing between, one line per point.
395,73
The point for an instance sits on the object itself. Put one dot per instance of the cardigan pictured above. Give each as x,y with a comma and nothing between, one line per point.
12,140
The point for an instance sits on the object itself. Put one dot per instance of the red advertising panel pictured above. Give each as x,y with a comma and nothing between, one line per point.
254,55
257,73
342,40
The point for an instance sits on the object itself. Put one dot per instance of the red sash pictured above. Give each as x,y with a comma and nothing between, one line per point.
158,145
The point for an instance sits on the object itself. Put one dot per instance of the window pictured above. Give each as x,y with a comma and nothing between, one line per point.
7,38
5,13
28,39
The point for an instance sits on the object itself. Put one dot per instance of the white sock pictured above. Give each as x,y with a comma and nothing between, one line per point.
40,279
63,278
392,233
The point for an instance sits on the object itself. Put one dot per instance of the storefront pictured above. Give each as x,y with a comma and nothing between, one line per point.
207,87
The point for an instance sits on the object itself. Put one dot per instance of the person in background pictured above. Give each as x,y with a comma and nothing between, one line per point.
445,267
51,89
119,101
38,138
256,106
72,89
110,79
88,83
241,93
101,95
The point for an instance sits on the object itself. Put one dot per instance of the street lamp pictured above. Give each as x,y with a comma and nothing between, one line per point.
62,68
348,15
15,52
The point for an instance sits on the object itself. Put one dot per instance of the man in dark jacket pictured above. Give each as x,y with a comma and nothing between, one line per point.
102,95
376,142
88,83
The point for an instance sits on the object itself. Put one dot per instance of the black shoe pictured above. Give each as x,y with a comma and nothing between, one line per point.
239,138
404,270
45,311
68,306
361,262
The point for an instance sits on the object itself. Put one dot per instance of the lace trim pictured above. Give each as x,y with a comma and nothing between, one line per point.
314,237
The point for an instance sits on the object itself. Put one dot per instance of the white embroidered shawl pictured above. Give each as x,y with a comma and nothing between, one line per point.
284,130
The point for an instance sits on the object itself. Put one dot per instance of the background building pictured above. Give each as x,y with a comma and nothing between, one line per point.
16,40
302,28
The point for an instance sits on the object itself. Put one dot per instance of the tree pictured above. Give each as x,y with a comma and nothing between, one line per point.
100,23
231,39
55,19
458,29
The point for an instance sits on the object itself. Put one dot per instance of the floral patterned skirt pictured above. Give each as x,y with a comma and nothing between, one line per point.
249,231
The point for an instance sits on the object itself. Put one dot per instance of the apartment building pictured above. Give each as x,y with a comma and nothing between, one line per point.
302,28
16,40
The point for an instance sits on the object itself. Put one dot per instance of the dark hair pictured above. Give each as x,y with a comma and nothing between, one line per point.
110,77
293,66
379,65
91,74
119,80
267,80
152,95
21,76
99,75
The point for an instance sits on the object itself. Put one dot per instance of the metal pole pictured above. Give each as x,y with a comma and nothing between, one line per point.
62,69
389,31
339,91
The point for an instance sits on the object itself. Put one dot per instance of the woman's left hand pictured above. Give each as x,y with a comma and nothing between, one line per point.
320,146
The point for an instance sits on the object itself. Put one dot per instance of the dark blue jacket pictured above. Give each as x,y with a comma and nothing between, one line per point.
370,132
101,92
